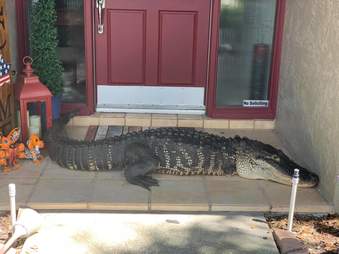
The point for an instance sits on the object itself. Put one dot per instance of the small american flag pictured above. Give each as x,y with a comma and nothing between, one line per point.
4,72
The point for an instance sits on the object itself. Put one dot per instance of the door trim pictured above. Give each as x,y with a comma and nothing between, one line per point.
22,35
22,46
89,54
240,112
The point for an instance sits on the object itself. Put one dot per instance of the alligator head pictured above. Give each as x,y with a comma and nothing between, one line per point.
256,160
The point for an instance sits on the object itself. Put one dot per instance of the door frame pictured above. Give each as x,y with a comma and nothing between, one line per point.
241,112
22,45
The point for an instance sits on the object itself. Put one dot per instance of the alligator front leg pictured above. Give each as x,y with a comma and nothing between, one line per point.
139,163
137,174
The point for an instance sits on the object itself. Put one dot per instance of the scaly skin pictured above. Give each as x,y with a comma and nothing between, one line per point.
176,151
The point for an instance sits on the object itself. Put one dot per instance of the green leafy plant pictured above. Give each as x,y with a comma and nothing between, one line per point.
232,15
44,42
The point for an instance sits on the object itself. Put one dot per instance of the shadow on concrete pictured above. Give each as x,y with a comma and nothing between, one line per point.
197,238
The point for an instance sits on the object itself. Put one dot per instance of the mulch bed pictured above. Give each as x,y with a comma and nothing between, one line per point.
5,223
319,233
5,232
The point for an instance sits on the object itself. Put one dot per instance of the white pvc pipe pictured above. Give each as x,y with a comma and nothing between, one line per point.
12,193
295,181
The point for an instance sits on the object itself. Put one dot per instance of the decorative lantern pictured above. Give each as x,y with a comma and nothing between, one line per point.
29,89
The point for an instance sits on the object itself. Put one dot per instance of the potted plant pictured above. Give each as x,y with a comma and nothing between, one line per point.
44,42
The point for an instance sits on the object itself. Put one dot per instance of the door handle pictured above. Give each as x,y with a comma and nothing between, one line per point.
100,4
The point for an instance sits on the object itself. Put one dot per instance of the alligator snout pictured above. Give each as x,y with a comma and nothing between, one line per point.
307,179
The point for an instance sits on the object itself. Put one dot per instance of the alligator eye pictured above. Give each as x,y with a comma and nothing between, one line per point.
275,157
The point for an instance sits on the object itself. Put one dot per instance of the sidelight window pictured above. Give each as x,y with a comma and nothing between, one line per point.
246,32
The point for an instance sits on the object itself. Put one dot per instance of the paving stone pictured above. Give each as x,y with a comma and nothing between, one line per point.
110,194
162,121
70,122
164,116
112,115
24,188
264,124
53,170
112,119
101,132
91,133
114,131
138,115
138,120
111,175
77,132
232,193
241,124
179,195
61,193
191,121
85,120
288,243
216,123
26,169
134,129
125,130
308,200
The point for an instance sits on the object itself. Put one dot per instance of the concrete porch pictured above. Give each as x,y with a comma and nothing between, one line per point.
52,187
169,120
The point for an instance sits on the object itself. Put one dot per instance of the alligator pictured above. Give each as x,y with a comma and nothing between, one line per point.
175,151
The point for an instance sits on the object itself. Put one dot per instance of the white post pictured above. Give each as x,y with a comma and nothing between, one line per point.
295,181
12,193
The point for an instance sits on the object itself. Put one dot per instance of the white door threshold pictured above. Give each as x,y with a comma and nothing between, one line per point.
151,99
153,109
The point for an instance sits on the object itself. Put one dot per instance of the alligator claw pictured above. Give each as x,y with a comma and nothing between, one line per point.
138,181
145,182
151,180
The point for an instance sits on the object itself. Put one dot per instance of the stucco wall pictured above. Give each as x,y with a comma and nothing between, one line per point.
308,106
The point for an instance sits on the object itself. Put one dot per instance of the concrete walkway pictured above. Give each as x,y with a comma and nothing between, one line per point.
52,187
151,233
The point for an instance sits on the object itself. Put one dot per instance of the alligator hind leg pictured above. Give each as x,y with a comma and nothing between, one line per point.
137,174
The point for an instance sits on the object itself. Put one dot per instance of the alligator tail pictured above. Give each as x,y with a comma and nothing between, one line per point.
56,138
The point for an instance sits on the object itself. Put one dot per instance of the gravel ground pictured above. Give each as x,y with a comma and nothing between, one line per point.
319,233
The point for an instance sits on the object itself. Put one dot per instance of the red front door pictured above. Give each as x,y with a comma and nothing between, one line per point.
153,42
